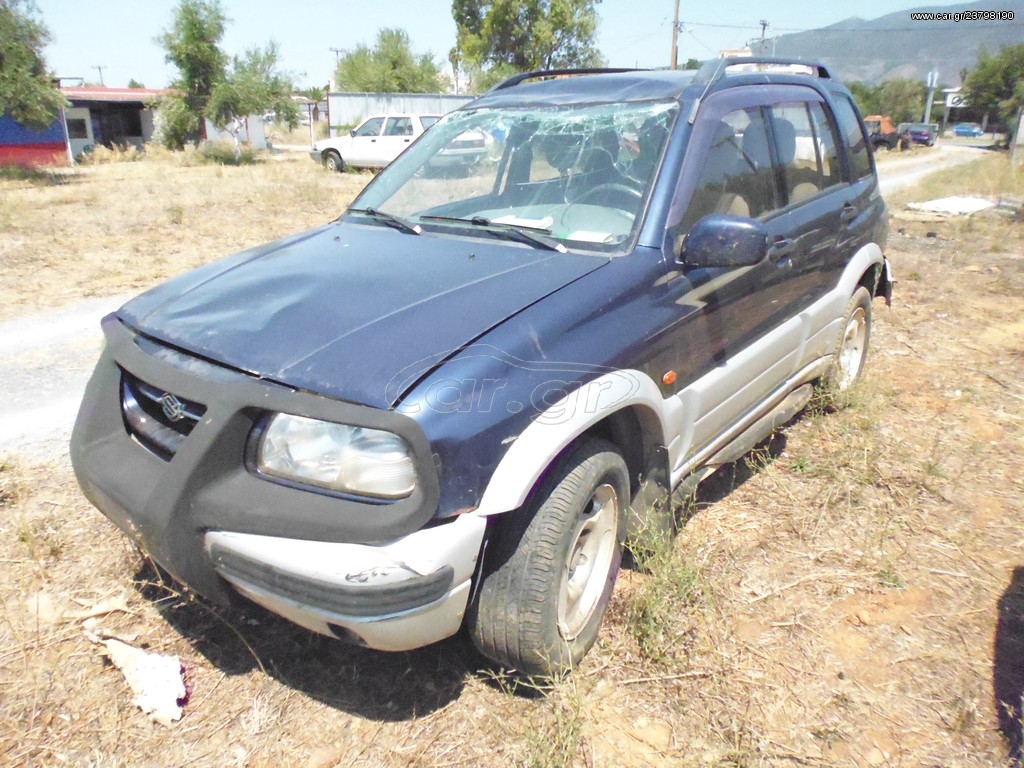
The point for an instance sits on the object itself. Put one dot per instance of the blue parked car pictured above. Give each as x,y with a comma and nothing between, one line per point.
457,403
968,129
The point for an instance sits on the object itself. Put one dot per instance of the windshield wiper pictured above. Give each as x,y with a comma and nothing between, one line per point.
390,219
535,236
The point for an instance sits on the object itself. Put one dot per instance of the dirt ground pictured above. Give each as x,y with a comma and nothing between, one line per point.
850,594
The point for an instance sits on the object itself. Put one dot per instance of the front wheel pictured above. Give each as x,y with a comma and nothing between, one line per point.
333,161
552,565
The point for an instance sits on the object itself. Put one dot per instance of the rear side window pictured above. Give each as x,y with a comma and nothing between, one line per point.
399,126
825,136
849,127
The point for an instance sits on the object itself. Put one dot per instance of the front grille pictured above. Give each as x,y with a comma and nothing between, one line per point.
158,419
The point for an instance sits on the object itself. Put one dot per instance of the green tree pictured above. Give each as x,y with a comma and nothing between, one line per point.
902,99
133,83
389,67
192,45
315,94
997,83
867,97
498,37
27,91
254,85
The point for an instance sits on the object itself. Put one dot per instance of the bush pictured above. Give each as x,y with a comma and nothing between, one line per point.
175,123
100,155
226,153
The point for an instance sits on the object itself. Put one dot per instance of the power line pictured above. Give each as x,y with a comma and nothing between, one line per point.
857,30
713,51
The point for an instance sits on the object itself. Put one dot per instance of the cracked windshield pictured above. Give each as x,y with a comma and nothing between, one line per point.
579,175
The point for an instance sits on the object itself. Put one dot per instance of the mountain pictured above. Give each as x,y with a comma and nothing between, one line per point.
896,45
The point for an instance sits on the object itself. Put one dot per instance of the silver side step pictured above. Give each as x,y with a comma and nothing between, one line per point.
790,406
763,427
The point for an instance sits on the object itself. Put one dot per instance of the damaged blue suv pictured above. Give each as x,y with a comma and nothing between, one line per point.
451,406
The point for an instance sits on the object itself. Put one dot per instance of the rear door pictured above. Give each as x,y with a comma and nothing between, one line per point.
805,231
398,134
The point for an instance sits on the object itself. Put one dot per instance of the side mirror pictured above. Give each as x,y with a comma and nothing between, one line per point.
724,241
352,133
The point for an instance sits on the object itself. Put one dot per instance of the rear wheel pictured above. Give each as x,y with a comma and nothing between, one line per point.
333,161
552,565
852,348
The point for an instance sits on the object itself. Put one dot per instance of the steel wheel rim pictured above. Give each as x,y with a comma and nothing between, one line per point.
589,563
851,353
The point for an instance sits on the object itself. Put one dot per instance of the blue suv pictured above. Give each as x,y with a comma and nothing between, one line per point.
452,406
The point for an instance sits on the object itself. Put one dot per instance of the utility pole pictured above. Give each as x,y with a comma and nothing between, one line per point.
337,55
764,26
100,68
675,38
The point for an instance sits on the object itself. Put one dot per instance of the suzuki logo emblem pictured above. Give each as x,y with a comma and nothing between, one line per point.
172,407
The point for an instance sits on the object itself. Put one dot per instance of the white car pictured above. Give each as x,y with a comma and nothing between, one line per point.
376,142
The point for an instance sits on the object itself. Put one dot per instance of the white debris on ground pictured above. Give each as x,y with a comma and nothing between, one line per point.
156,679
953,206
53,610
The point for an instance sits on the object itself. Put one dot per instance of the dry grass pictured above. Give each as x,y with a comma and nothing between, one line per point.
832,600
991,176
114,227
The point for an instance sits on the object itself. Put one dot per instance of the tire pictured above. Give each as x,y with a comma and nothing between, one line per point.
551,566
852,346
333,161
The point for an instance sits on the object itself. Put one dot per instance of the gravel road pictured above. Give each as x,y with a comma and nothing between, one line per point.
46,359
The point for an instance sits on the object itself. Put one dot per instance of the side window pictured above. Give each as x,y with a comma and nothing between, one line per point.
399,126
825,137
737,177
856,141
370,127
806,149
77,128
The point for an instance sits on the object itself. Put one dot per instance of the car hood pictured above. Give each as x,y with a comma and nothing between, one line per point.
337,142
343,310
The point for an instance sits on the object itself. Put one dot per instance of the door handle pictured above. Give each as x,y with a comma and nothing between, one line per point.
849,213
781,248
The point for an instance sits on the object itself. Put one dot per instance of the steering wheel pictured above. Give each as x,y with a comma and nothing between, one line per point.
613,189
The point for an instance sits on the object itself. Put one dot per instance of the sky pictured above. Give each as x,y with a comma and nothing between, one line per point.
119,35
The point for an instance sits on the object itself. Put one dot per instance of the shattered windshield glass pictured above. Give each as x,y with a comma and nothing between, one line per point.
576,175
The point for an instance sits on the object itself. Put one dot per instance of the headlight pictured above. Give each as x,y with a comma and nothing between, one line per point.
358,460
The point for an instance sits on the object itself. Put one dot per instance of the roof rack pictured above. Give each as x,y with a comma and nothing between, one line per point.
713,70
542,73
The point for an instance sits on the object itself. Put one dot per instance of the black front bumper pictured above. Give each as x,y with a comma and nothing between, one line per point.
167,504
